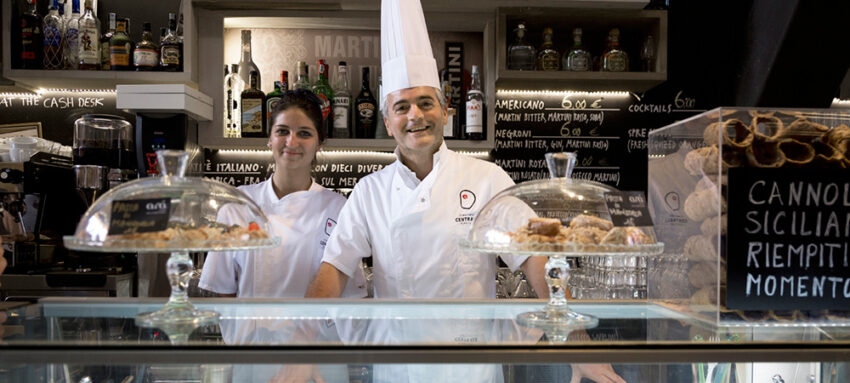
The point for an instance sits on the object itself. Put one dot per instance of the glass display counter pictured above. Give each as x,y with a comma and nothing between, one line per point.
70,339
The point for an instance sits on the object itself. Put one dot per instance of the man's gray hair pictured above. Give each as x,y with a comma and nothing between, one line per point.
441,98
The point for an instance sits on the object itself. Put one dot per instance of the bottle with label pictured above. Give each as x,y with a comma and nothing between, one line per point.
71,48
475,108
246,63
449,127
53,27
284,81
104,42
233,87
325,93
365,108
548,58
577,59
146,54
89,46
170,51
252,108
342,103
614,59
32,39
521,53
120,47
272,99
301,79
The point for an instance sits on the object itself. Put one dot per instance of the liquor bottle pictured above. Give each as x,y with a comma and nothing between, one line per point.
104,42
520,53
146,54
246,64
325,94
252,108
475,108
71,48
284,81
53,28
162,32
614,59
170,52
647,55
577,59
233,87
342,103
449,127
365,108
32,44
271,100
89,45
380,128
548,58
120,47
301,79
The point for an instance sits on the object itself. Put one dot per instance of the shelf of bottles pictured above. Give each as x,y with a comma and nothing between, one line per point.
68,47
581,49
346,85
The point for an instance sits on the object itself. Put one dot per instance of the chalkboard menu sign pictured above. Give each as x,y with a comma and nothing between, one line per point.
788,241
139,216
338,171
628,208
57,110
608,131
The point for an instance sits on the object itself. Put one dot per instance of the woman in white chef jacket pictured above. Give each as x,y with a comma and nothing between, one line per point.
300,211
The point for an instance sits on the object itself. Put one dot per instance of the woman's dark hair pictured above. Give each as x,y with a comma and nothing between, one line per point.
307,102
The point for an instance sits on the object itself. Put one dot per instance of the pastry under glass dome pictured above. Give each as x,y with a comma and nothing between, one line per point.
558,218
173,214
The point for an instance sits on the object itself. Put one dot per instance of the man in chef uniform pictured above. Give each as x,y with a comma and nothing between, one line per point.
410,215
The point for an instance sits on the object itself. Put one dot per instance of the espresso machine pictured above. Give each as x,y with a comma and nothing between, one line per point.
48,194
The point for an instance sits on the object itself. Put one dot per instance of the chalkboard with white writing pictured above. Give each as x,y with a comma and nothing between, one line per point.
608,131
788,241
57,110
338,171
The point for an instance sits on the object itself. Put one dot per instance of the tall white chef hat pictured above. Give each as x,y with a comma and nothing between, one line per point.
406,57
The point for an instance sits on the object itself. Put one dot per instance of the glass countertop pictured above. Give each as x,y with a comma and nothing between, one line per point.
476,330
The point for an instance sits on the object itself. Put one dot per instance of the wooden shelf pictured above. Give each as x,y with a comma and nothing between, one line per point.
428,6
33,79
80,79
595,81
382,145
634,25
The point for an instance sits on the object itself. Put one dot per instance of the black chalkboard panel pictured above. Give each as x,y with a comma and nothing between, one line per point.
139,216
57,111
608,130
338,171
788,239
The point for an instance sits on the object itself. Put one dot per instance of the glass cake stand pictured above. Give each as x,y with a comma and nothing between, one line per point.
496,227
193,214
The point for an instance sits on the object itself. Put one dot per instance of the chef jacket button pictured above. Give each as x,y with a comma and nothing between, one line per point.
422,200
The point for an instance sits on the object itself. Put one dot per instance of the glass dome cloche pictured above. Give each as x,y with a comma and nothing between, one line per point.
178,215
557,218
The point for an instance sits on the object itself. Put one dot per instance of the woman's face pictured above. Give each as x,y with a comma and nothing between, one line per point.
294,140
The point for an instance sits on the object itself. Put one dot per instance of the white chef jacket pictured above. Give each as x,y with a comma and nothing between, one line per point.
411,229
303,220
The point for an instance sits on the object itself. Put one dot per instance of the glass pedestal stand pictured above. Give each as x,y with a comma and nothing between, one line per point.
178,318
556,319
